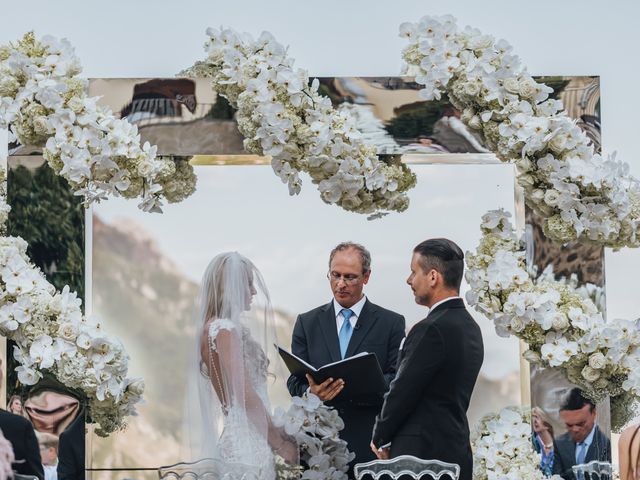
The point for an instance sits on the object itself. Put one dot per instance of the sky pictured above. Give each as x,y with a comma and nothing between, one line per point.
157,39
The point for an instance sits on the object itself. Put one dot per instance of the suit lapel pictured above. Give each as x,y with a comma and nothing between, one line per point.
328,327
366,320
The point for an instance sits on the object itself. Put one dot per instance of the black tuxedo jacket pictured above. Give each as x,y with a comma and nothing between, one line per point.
425,410
71,451
19,431
315,340
565,453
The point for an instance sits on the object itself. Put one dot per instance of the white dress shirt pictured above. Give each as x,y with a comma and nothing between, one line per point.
356,309
586,442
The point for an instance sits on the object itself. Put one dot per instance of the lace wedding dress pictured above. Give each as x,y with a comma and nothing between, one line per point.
243,441
228,410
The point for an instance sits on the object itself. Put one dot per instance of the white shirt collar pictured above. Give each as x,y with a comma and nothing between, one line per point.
442,301
356,308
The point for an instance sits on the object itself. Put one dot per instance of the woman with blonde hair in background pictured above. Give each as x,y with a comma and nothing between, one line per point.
543,439
628,453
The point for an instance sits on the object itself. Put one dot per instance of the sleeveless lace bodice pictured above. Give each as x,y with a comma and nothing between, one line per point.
240,441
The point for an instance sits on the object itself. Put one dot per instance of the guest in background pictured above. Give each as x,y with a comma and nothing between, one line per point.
49,454
20,433
584,441
14,405
543,439
628,453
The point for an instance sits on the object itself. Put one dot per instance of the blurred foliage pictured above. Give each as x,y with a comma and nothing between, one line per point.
221,110
413,120
46,214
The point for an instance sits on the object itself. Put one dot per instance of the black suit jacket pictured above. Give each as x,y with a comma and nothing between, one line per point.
315,340
71,451
565,453
425,411
19,431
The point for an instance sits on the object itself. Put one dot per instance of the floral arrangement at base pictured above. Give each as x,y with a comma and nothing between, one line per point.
562,326
282,115
316,428
54,339
43,103
502,447
581,194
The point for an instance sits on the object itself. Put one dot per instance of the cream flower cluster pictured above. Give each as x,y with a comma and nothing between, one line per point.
53,338
316,428
43,103
283,116
562,325
580,194
502,447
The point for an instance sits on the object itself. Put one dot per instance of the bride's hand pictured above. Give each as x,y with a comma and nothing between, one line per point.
290,452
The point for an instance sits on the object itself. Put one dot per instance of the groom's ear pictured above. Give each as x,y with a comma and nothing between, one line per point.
365,277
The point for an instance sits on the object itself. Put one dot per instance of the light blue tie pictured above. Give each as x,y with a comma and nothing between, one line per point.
345,331
582,453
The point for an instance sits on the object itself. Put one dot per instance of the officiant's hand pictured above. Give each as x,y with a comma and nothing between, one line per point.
327,390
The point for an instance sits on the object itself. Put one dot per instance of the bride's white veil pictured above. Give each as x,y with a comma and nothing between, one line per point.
234,307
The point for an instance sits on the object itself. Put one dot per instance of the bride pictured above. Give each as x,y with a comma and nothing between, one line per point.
233,422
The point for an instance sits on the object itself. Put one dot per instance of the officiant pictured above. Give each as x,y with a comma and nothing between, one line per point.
346,326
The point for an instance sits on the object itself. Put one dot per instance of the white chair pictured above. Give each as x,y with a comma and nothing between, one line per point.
408,465
594,470
208,469
20,476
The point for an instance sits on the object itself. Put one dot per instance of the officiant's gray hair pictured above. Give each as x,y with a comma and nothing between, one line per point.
365,256
444,256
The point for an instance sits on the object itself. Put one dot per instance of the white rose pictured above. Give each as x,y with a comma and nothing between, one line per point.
597,361
472,88
526,180
76,104
68,331
558,142
560,321
528,88
512,85
145,168
551,197
41,125
590,374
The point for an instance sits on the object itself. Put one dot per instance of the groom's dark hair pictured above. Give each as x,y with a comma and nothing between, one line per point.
444,256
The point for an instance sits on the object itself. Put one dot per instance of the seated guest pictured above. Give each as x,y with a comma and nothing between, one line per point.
49,454
543,439
20,433
628,452
584,441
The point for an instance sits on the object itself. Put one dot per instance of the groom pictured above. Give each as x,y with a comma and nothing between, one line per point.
347,325
424,413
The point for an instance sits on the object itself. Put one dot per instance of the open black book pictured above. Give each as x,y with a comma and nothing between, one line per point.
361,373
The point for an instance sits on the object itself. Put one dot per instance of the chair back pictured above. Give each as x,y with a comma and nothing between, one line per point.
408,465
21,476
208,469
594,470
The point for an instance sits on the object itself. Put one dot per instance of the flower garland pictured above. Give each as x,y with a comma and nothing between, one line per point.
580,194
562,326
316,428
502,447
43,103
282,115
53,338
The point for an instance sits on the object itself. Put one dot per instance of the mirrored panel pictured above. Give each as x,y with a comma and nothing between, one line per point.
50,218
147,268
